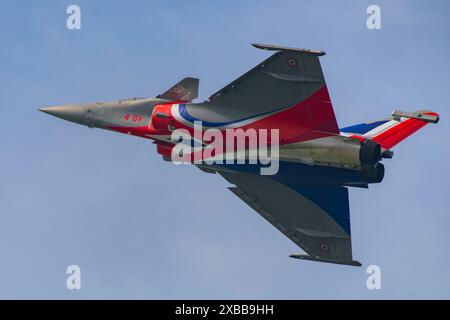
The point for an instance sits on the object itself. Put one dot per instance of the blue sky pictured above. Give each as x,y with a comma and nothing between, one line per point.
142,228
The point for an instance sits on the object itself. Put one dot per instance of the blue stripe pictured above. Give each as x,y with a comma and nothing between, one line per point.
363,127
331,199
321,185
188,117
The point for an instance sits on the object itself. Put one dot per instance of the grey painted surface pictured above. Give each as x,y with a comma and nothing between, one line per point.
69,196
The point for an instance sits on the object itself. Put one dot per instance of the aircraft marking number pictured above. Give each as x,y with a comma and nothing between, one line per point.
133,117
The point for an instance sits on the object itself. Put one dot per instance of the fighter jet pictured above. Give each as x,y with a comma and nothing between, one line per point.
284,97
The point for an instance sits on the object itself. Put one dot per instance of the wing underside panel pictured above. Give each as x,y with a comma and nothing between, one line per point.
302,220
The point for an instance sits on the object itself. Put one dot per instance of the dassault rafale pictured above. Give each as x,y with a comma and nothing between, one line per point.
281,116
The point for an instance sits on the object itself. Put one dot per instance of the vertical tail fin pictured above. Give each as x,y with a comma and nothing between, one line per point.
393,130
186,90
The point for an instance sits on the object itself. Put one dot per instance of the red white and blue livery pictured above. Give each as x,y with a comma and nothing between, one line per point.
307,198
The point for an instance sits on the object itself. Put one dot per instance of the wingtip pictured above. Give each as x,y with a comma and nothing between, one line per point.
352,263
271,47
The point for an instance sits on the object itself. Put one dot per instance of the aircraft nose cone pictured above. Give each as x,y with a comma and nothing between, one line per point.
73,113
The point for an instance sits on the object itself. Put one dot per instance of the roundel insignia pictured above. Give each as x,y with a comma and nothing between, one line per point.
292,62
324,247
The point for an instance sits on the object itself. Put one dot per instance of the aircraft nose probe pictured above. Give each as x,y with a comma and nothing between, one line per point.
78,113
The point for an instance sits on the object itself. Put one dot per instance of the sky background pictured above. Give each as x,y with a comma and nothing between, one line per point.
143,228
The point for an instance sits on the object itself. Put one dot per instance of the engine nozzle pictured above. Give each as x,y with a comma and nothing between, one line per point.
370,152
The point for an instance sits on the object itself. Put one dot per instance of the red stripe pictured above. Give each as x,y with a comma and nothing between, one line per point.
398,133
309,119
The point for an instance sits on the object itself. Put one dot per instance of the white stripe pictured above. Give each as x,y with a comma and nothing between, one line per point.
379,129
177,116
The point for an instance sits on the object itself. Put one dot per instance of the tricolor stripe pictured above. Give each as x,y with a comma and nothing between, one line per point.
180,113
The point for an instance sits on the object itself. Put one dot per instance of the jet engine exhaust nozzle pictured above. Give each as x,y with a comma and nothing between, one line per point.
370,152
373,174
